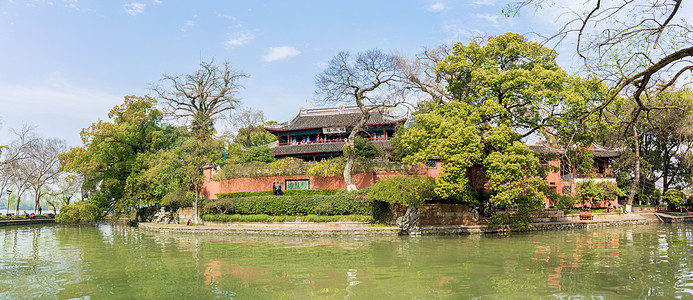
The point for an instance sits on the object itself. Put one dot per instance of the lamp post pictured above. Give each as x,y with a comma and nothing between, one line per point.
226,147
9,193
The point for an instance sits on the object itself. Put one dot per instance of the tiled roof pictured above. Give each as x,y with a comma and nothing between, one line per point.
319,148
333,117
596,150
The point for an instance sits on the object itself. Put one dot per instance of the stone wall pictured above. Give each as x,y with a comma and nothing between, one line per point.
550,215
438,214
185,214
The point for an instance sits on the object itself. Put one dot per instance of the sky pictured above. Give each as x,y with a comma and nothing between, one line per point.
65,63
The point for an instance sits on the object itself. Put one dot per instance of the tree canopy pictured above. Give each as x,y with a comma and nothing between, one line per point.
501,91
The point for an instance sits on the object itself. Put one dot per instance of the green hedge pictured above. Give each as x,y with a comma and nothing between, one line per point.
268,218
284,192
338,204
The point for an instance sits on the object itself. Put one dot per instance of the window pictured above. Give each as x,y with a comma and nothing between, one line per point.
566,190
566,170
431,164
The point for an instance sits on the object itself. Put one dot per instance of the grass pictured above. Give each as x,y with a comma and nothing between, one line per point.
268,218
575,211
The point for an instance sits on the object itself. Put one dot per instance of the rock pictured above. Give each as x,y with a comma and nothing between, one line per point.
156,215
408,222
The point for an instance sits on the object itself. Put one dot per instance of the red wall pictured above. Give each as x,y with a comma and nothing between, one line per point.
251,184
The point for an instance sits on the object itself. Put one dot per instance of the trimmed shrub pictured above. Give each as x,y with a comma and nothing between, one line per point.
268,218
337,204
284,192
404,190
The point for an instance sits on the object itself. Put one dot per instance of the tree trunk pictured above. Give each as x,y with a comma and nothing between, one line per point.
636,177
351,159
351,149
195,217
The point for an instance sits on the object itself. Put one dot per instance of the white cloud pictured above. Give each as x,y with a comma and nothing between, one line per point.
238,39
279,53
159,2
187,25
134,8
485,2
232,18
491,18
457,31
436,7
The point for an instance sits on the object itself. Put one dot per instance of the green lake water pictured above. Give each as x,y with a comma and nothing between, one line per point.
119,262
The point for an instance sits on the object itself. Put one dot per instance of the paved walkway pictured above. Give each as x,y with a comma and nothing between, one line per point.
10,222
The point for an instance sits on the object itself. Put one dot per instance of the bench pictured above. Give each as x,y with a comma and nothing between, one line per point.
586,215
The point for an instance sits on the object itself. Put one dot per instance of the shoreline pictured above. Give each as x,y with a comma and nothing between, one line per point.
361,228
25,222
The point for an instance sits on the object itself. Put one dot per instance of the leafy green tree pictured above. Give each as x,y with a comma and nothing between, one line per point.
80,211
365,148
404,190
259,154
115,153
590,192
500,92
674,198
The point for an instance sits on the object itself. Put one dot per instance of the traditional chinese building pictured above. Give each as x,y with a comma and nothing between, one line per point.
561,176
320,133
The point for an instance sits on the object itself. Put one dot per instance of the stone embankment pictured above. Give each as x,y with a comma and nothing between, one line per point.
283,228
10,222
359,228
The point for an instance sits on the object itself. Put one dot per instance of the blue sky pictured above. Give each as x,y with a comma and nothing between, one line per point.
65,63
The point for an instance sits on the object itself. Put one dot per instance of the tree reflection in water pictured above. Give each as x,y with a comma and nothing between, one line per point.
107,261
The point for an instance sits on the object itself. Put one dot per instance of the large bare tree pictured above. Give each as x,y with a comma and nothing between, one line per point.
245,122
635,46
366,80
202,97
42,166
420,81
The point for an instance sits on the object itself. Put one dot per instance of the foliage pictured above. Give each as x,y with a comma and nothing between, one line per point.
338,204
448,132
258,154
365,148
639,47
500,93
335,166
520,219
137,160
565,202
178,198
250,130
284,192
589,191
280,167
78,212
114,151
404,190
268,218
674,198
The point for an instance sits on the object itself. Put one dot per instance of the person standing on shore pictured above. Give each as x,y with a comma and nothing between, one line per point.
274,188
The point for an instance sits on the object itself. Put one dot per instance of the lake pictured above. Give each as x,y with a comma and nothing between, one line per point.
107,261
